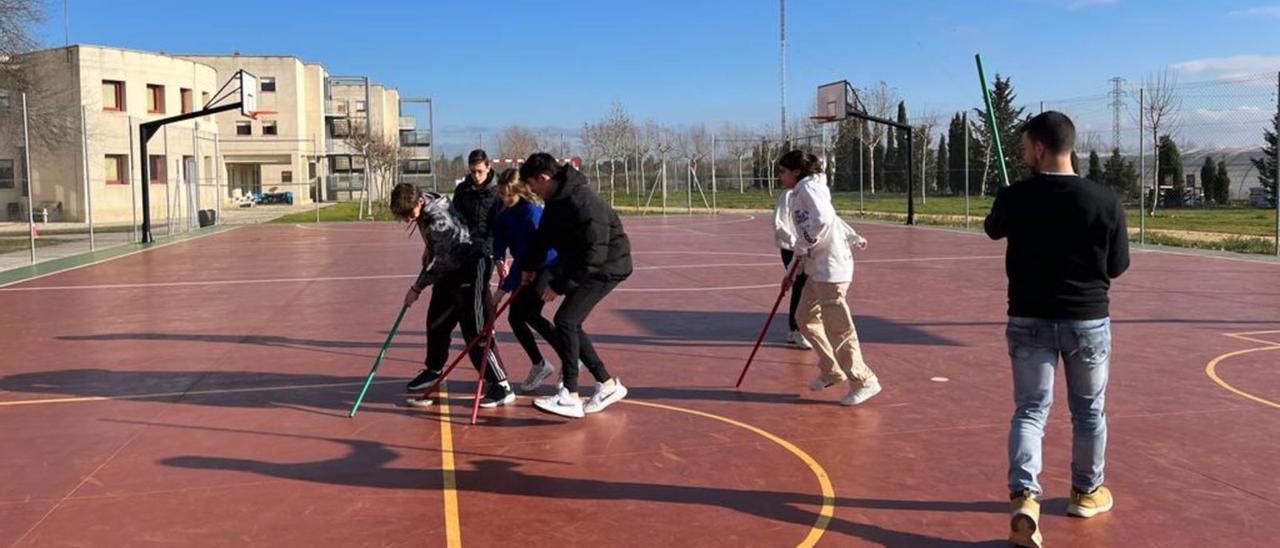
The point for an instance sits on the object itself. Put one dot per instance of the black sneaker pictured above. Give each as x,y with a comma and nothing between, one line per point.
498,395
423,380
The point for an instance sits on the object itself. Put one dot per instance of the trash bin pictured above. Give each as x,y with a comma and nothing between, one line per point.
207,217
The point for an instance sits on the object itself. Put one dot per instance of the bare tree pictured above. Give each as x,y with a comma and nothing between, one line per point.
381,158
925,124
1161,111
516,141
50,123
740,144
881,100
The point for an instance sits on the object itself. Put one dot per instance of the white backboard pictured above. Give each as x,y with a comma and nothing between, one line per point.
833,101
248,93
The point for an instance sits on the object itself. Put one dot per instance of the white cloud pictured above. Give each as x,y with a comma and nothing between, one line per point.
1260,11
1230,67
1238,114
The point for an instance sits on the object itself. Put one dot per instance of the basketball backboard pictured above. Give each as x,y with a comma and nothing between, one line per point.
248,93
833,101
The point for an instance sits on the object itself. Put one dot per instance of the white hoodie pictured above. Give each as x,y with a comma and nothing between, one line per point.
784,232
822,238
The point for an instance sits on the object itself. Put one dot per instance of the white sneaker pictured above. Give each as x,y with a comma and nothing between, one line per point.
796,339
861,393
605,397
821,383
537,374
563,404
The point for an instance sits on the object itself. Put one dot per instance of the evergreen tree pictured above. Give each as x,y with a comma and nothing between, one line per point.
1171,170
1222,185
882,166
1095,173
955,155
1209,179
1120,175
942,167
1009,119
1266,165
898,177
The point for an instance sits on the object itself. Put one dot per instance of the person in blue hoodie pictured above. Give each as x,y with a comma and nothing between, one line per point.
513,231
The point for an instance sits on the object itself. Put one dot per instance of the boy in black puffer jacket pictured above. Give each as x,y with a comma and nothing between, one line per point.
593,257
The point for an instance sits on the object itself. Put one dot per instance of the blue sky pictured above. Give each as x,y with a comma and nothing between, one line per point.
557,64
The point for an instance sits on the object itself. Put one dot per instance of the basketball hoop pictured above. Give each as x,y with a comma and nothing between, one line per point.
823,119
254,114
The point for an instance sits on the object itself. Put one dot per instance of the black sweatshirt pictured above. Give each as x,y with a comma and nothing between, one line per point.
585,232
1067,241
478,205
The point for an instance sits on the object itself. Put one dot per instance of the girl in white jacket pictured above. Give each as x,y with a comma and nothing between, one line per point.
784,234
823,245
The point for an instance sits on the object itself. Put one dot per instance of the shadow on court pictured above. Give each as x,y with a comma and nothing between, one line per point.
365,465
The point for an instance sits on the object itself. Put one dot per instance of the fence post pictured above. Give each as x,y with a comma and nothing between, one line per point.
88,185
965,119
862,200
217,177
26,167
133,187
1142,169
713,174
1275,194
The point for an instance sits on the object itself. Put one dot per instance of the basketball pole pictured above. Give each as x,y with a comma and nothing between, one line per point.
146,131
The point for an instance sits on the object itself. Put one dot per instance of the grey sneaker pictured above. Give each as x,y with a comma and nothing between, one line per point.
537,374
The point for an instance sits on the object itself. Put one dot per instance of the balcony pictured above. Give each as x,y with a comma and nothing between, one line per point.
414,138
337,108
408,122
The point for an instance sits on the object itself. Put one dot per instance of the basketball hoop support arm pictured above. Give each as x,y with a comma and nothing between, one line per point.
145,131
911,186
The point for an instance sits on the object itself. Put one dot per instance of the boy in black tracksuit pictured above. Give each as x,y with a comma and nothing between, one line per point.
593,257
464,298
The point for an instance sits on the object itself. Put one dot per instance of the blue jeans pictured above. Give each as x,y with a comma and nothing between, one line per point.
1035,346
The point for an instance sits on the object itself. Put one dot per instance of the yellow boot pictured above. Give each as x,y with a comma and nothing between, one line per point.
1025,524
1087,505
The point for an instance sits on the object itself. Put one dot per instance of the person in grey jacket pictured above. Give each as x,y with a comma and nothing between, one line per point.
449,250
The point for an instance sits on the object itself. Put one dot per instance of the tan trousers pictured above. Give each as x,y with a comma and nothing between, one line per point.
824,319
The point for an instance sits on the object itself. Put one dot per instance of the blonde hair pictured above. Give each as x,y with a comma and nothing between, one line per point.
510,179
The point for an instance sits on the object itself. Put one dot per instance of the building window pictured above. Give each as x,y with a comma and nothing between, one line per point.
267,84
6,174
311,170
155,99
204,98
244,128
360,106
340,164
5,104
286,176
112,95
417,166
158,164
117,174
186,100
269,127
340,128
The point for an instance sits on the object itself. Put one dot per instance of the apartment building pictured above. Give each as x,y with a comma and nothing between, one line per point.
280,151
108,92
355,107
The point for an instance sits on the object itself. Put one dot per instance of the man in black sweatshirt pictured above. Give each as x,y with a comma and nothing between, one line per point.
1067,241
593,257
463,298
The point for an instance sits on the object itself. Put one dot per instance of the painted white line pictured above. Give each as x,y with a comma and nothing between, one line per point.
939,379
691,289
108,259
927,259
212,282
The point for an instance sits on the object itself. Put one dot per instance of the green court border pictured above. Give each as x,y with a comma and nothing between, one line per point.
54,266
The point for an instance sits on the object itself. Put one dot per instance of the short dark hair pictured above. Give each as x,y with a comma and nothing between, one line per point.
1052,129
477,156
798,160
404,197
539,163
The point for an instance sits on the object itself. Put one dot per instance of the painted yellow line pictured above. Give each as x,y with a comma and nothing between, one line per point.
452,524
824,481
1211,369
83,399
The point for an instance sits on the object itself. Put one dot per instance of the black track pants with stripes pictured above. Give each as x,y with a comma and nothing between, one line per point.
462,299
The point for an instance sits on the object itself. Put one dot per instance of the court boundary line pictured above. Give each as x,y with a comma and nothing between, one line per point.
449,478
148,247
1211,368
